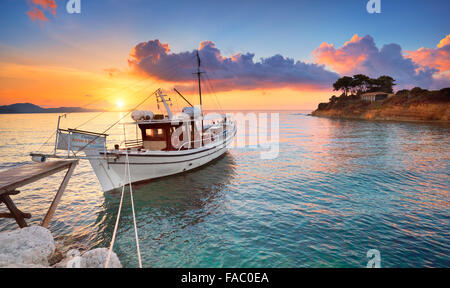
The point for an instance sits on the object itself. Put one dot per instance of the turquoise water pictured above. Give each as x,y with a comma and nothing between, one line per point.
337,189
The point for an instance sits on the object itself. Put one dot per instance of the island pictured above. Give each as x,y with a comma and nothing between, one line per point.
23,108
374,99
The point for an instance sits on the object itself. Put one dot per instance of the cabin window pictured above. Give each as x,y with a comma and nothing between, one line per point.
155,134
155,139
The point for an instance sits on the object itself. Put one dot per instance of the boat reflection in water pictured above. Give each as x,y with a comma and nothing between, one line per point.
170,205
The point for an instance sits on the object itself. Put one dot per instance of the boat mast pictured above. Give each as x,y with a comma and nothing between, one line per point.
161,96
199,62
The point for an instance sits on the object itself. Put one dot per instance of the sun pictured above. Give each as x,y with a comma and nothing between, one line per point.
120,104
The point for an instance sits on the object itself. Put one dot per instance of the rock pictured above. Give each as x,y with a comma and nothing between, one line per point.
21,266
32,247
97,259
73,253
27,247
73,260
92,259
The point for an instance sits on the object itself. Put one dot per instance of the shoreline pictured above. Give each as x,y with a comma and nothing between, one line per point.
386,119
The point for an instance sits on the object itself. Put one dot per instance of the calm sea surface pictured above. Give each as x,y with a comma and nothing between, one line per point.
337,189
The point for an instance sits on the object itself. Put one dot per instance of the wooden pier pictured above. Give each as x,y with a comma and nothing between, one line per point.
15,178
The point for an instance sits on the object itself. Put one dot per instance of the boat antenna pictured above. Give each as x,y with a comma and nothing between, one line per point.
199,73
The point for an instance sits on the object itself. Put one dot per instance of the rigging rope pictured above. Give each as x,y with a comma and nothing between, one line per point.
134,84
46,142
93,118
170,73
103,112
114,93
115,123
208,81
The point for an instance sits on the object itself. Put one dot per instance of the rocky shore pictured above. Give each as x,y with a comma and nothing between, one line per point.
415,105
34,247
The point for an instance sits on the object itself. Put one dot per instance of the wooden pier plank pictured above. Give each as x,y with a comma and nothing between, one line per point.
17,177
21,176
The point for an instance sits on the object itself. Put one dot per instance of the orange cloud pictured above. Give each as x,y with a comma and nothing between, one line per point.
444,42
438,58
38,7
354,39
339,60
46,4
37,14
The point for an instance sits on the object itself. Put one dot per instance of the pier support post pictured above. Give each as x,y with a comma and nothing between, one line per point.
51,211
14,211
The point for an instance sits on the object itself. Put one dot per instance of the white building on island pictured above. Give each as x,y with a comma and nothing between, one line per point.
375,96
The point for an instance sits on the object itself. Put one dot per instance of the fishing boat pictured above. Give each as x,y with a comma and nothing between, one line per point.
165,144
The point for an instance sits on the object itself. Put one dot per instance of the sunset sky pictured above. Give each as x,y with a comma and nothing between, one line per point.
258,54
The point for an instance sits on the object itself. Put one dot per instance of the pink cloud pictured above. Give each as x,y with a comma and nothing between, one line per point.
239,71
361,55
349,57
38,7
438,57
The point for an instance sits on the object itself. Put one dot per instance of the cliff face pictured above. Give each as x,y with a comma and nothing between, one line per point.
405,106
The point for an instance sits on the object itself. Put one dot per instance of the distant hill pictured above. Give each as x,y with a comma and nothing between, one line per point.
22,108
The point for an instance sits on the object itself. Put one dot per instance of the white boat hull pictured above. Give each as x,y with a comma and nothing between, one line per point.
110,170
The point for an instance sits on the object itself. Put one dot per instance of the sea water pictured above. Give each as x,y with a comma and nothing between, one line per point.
337,189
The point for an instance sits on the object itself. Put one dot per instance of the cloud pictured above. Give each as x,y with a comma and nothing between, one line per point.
239,71
361,55
37,14
46,4
438,57
37,8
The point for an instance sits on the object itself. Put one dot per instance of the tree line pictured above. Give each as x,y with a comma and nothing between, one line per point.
360,83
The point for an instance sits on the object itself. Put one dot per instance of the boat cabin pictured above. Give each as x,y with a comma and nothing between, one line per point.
158,136
157,131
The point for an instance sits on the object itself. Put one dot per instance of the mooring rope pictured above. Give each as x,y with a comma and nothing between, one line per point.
108,258
134,214
127,172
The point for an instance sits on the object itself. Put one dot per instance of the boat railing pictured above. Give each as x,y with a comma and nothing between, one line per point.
190,142
202,141
133,143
